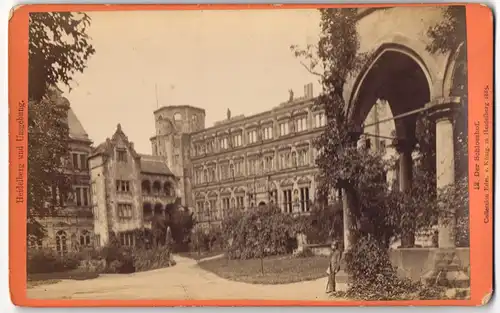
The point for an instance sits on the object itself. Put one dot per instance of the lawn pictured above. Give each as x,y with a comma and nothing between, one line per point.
277,270
202,255
52,278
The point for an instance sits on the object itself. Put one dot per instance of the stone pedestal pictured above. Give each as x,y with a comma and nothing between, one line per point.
447,271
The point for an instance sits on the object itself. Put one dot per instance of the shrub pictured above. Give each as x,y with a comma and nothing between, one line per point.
145,260
259,232
119,259
92,265
198,241
374,277
49,261
122,259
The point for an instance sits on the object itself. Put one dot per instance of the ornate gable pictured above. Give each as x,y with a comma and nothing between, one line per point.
120,135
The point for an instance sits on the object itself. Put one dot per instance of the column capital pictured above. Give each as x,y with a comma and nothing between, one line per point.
443,107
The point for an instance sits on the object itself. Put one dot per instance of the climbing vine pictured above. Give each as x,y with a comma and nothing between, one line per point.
378,214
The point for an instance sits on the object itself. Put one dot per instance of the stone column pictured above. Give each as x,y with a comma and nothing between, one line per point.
405,150
447,270
445,173
405,170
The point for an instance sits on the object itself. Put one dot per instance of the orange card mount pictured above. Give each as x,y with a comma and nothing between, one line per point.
375,190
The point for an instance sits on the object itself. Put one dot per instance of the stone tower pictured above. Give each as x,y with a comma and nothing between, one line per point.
174,126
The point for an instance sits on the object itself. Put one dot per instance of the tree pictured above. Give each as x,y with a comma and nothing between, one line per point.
387,213
324,223
58,48
342,164
48,148
378,213
260,232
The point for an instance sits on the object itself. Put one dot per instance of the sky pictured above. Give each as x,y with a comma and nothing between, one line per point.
215,60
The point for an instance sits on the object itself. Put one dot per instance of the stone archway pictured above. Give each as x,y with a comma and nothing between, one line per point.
398,77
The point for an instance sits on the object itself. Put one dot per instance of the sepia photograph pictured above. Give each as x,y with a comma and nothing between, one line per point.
275,154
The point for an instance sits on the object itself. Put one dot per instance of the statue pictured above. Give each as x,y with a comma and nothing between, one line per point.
168,237
291,95
228,114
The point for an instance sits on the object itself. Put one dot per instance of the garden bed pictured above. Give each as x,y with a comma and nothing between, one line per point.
277,270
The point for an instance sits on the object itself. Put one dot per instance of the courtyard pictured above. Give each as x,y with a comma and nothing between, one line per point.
185,281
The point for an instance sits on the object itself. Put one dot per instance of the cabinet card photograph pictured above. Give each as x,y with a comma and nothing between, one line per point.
231,155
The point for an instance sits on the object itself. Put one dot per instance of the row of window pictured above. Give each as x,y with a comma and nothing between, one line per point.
252,136
79,161
254,166
124,186
127,239
301,197
124,210
209,210
80,196
62,241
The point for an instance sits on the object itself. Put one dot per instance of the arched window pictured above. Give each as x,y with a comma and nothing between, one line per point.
168,189
61,242
177,117
156,187
146,187
85,238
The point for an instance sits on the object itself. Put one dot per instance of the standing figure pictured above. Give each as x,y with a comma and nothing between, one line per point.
333,267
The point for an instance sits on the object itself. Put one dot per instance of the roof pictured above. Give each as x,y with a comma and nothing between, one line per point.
153,164
76,130
173,107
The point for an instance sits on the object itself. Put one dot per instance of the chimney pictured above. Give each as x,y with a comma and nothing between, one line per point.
308,91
